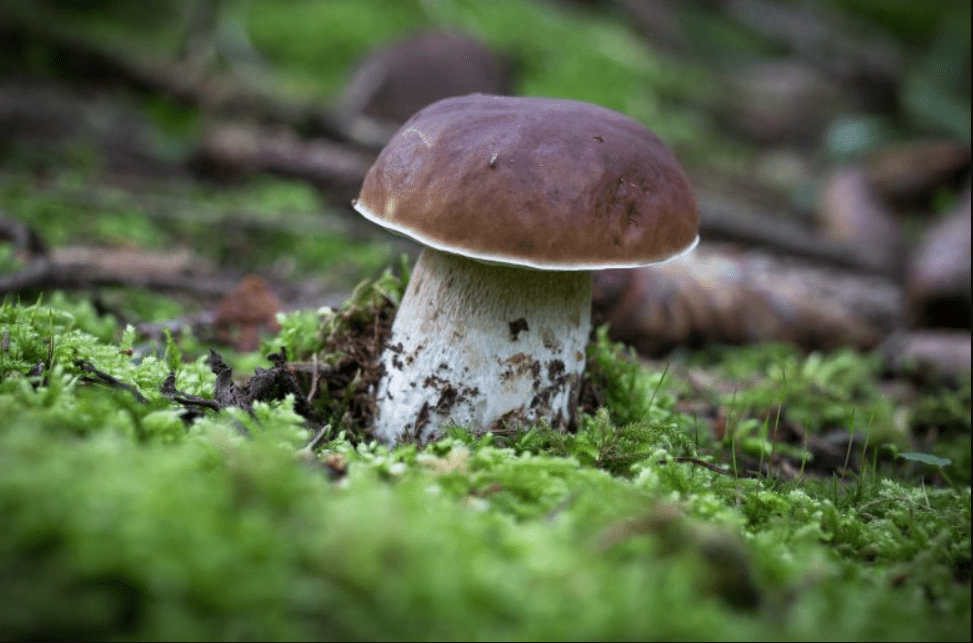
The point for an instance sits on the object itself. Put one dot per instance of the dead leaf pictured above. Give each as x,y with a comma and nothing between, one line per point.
243,314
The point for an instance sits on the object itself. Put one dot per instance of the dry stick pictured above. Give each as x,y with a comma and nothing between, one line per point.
43,274
723,220
702,463
169,77
318,438
314,378
105,378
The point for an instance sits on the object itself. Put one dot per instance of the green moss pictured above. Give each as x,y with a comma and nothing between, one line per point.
265,226
316,43
120,521
819,392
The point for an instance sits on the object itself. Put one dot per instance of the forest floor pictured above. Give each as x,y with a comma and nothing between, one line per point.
192,312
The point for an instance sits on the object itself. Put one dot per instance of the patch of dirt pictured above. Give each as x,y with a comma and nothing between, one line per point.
351,383
517,326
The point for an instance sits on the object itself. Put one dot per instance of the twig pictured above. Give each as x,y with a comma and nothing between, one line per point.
318,438
43,274
702,463
724,220
105,378
314,378
178,80
168,389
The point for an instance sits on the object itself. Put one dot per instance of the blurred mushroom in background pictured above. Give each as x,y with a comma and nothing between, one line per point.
245,313
390,85
396,81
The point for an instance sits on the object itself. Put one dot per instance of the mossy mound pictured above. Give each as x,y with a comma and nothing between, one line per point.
123,520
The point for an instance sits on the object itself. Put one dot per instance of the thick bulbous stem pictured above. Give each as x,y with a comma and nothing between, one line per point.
484,346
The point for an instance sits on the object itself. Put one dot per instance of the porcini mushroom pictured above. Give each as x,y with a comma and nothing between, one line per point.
516,200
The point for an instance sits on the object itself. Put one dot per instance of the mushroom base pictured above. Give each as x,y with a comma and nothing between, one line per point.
488,347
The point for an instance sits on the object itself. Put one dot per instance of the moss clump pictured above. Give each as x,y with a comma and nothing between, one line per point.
342,347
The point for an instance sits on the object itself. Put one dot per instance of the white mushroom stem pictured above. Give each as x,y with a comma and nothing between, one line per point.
484,346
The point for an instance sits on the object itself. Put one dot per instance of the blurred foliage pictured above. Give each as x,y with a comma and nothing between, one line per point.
307,50
262,226
935,86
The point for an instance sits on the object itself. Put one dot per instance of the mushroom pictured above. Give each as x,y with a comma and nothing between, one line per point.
516,201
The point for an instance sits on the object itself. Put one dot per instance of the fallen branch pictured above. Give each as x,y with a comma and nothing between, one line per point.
727,296
266,384
104,378
701,463
45,274
334,168
80,267
724,220
178,80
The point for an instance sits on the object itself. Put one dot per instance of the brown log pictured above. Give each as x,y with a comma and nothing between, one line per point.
82,267
725,296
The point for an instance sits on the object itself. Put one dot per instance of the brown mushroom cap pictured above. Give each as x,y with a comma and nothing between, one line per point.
538,182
